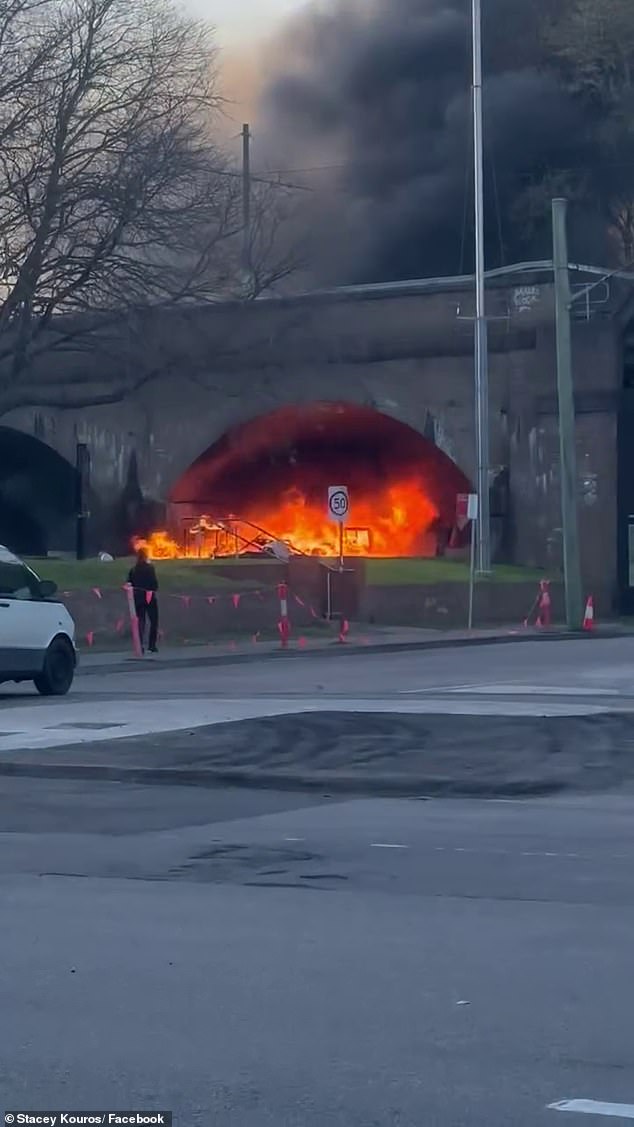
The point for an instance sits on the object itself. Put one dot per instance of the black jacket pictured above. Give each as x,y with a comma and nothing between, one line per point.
143,577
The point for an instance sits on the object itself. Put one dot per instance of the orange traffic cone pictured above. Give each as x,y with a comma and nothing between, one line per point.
588,617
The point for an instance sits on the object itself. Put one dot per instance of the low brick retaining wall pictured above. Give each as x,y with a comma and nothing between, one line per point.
198,616
446,605
103,621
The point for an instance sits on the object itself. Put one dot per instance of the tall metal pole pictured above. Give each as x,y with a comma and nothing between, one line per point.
565,395
246,198
481,348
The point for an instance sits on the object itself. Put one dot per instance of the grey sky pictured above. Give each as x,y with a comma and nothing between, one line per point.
241,21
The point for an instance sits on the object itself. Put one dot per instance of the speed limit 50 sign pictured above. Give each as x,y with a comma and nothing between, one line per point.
338,503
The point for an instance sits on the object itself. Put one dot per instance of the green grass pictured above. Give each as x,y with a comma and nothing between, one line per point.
184,575
403,572
173,575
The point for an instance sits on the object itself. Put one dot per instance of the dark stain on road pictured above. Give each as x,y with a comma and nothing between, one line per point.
234,863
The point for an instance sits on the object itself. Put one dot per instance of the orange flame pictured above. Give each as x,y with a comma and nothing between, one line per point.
394,522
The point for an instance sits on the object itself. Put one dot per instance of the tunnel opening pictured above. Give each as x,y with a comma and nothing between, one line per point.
37,496
265,484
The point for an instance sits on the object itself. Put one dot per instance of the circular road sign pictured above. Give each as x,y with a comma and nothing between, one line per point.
338,502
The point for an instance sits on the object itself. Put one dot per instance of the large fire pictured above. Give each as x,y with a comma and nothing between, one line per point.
394,522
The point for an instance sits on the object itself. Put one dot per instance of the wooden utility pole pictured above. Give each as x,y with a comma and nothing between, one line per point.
246,199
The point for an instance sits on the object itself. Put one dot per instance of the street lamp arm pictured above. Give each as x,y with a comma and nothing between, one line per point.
604,276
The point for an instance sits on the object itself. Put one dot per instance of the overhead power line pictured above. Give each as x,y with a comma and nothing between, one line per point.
263,180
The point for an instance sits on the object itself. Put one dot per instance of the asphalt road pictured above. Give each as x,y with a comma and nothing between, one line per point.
252,958
584,667
255,958
572,678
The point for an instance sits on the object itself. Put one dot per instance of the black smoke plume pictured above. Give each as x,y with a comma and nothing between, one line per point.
371,110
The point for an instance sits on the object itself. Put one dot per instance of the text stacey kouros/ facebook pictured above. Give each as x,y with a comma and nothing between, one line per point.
86,1118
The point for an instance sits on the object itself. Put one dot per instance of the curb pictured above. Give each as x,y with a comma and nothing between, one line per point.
386,786
339,650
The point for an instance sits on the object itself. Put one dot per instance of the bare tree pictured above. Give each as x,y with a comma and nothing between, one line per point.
113,194
276,248
592,44
594,40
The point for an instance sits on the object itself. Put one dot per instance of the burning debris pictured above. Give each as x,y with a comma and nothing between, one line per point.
263,488
397,522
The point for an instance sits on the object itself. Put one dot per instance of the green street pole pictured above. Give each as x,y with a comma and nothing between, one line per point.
566,405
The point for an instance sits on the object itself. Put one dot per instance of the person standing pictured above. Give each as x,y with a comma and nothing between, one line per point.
144,582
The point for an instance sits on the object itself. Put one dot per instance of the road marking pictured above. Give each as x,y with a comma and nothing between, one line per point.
594,1107
520,689
439,689
507,801
387,845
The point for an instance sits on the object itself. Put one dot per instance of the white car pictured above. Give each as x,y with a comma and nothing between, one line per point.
37,634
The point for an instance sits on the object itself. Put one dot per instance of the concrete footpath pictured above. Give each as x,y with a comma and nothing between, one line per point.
361,639
377,753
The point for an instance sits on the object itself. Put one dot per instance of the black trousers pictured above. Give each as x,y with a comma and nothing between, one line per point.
150,612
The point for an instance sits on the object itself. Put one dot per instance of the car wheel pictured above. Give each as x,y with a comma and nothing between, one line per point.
58,671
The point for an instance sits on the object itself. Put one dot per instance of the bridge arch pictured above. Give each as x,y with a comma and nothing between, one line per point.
267,469
37,495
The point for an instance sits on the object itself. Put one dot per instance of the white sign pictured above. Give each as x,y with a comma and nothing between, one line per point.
472,507
338,503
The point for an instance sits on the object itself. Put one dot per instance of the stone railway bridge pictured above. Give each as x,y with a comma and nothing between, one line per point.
201,399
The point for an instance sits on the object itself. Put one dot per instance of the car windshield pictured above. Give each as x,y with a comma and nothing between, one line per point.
8,557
